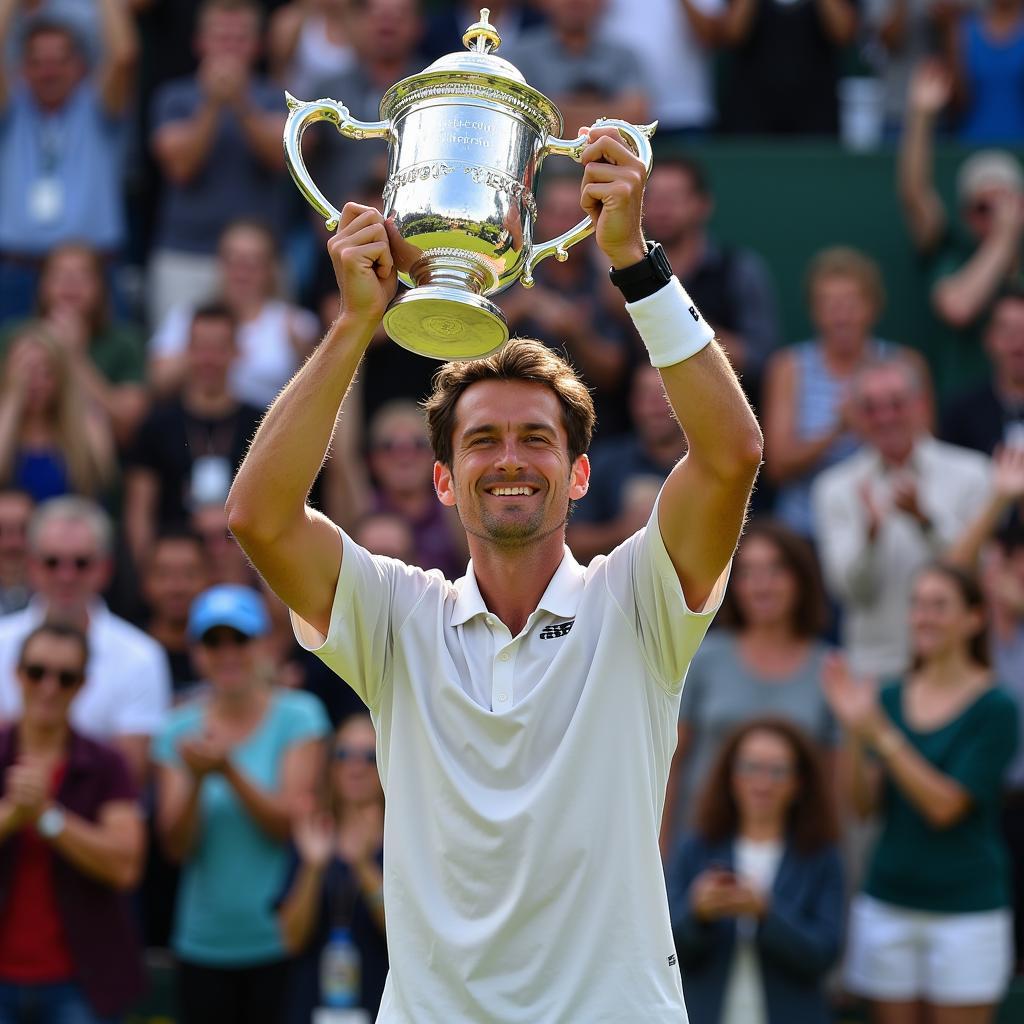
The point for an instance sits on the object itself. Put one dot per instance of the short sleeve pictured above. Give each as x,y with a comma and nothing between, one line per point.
373,597
171,336
983,753
304,719
174,101
645,584
183,721
118,782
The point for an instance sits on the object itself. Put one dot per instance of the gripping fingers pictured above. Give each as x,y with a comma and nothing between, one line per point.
606,144
370,244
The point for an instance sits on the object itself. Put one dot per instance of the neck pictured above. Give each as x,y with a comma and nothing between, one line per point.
42,741
512,582
385,71
769,634
204,402
948,670
897,459
575,39
366,812
77,617
409,504
666,451
246,307
240,704
844,359
170,634
762,831
1010,391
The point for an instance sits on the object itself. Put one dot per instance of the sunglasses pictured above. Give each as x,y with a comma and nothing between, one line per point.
774,772
218,638
350,754
405,444
67,678
77,562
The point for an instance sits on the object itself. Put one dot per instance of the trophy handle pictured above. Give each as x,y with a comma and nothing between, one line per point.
637,135
301,116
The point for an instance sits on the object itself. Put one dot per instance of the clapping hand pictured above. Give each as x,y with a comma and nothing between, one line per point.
853,700
314,839
27,788
1008,472
931,87
717,893
203,755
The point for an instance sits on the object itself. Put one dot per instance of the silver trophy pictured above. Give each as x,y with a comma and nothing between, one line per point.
467,138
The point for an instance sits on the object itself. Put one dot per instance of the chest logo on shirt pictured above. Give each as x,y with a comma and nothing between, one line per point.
557,631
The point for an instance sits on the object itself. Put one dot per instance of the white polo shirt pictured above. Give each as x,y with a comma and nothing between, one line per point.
525,778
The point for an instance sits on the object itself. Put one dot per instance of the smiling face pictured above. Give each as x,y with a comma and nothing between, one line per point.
50,673
511,477
764,585
764,778
941,621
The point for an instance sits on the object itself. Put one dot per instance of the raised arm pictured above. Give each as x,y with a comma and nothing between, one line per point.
704,499
7,9
116,73
297,549
930,90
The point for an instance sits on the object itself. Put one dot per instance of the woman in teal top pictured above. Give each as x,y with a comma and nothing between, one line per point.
235,768
932,925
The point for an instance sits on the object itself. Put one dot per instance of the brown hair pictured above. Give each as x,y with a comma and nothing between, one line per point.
524,359
974,598
845,261
60,630
811,820
810,612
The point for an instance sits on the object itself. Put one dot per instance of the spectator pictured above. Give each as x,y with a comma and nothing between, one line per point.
628,471
173,576
729,284
50,442
234,768
932,925
383,533
785,65
71,841
60,135
106,356
126,690
15,512
765,659
882,514
385,37
273,335
309,40
970,265
79,16
217,139
225,560
561,309
401,464
672,42
585,74
902,33
756,893
191,444
987,60
992,414
444,26
806,406
337,881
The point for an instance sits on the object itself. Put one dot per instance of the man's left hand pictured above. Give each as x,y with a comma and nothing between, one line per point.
613,195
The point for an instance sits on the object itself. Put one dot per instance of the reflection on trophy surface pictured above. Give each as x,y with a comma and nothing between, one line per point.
466,140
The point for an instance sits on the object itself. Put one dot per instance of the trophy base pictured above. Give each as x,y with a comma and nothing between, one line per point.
445,323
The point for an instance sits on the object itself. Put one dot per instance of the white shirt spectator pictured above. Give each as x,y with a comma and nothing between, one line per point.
676,65
127,683
525,778
873,581
267,347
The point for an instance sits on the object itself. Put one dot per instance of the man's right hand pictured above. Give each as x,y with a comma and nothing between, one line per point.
367,252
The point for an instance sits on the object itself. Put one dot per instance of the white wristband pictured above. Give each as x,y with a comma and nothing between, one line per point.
670,324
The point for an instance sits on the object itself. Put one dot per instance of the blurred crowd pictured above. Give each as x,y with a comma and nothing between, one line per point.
177,773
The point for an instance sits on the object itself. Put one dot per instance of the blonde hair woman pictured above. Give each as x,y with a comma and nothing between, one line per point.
50,443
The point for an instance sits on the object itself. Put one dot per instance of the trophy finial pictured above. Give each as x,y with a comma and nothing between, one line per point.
482,36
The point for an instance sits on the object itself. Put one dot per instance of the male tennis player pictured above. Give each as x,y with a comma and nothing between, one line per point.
526,714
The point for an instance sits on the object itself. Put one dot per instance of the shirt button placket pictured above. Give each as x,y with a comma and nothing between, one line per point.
501,694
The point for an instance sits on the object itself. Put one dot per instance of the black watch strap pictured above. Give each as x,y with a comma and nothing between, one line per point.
651,274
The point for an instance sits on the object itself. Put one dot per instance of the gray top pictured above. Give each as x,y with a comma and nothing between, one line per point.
605,67
721,692
1008,663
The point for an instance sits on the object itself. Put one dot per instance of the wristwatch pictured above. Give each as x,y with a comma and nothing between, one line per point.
651,274
50,823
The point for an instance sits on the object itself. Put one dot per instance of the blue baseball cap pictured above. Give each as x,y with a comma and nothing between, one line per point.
228,604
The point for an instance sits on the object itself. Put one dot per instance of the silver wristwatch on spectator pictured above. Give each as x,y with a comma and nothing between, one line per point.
50,823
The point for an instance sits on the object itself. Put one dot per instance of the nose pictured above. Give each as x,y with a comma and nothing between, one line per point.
510,456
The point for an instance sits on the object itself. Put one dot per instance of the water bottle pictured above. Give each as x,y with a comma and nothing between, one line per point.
340,965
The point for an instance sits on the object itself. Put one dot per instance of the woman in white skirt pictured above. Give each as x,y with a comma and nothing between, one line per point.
930,935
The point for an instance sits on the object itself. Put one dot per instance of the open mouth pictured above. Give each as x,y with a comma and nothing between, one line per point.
513,491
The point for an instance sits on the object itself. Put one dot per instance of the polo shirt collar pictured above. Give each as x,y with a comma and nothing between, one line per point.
560,598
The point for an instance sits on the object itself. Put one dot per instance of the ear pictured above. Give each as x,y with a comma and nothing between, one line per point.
444,485
579,478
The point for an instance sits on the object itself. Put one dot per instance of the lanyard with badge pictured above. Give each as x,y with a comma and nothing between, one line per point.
46,193
210,478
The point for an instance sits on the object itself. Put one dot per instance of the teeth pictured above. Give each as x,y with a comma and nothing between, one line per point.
508,491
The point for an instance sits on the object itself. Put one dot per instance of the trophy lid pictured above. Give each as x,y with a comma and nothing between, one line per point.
474,71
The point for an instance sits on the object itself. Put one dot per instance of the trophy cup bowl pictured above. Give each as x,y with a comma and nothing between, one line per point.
466,141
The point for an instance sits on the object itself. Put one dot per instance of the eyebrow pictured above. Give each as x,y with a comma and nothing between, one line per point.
493,428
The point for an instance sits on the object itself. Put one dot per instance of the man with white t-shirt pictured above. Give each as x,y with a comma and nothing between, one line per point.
127,686
526,714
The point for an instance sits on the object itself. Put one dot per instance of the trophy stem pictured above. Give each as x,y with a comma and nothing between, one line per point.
453,268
